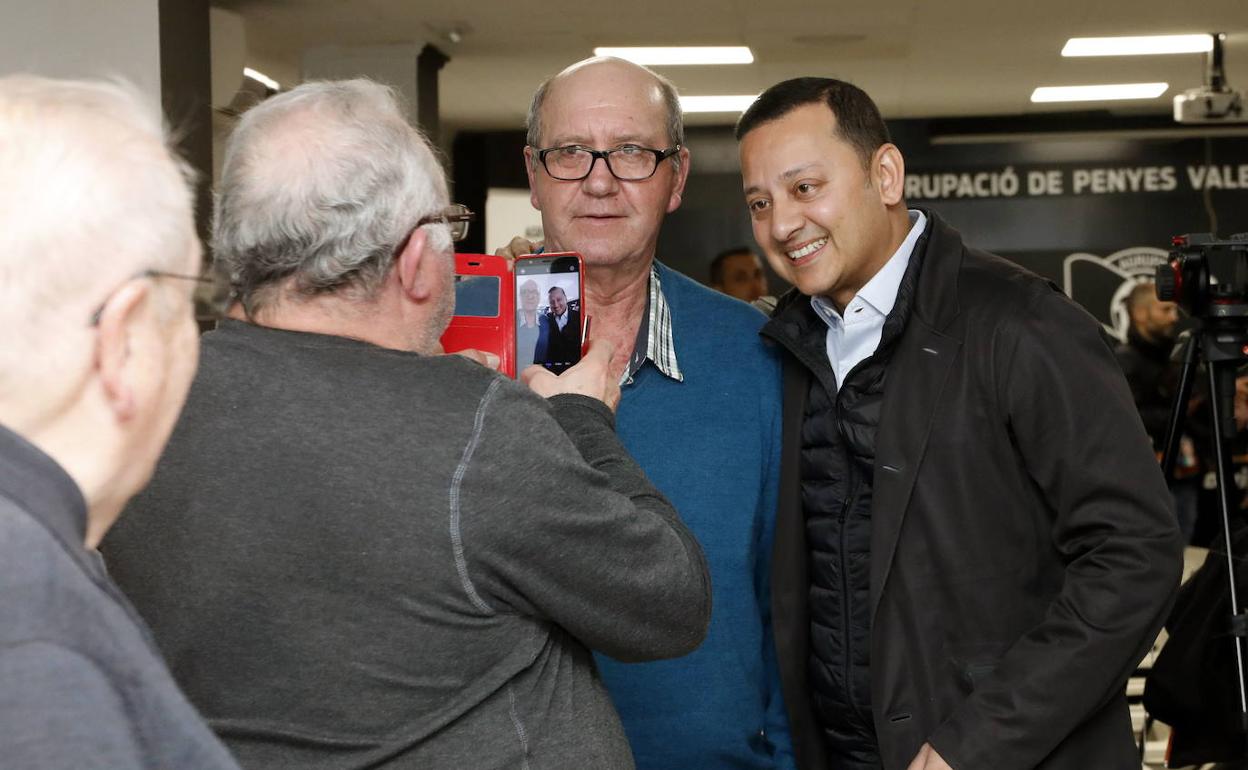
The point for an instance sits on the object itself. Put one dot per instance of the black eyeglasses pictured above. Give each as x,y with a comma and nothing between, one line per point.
457,215
627,163
214,299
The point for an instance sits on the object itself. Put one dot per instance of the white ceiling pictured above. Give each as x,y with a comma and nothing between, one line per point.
917,58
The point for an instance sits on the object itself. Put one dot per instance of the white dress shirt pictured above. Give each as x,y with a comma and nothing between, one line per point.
562,320
854,336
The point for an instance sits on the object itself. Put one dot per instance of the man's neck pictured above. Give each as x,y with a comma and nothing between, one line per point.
97,468
367,321
1152,341
616,300
899,226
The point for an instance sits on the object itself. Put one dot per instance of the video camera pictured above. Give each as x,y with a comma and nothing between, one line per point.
1206,276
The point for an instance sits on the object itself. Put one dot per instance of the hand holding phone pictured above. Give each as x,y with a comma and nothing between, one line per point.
591,377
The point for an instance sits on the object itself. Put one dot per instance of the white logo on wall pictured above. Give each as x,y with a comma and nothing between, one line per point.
1101,284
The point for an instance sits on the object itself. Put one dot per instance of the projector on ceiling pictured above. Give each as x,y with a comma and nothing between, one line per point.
1214,102
1207,105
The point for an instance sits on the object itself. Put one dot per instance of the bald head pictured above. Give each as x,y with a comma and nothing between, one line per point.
90,195
611,75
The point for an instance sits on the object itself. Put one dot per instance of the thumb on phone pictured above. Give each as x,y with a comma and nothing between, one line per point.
517,247
591,377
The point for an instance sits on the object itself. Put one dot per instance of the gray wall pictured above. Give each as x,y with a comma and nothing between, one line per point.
83,38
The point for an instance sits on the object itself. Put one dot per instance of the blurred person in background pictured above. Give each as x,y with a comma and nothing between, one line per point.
1147,361
738,272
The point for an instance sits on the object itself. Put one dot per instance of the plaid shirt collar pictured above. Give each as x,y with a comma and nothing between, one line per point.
654,337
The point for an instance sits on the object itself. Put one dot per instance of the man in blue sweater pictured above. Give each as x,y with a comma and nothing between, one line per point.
606,163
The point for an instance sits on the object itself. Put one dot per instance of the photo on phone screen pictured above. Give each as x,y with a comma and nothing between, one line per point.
548,313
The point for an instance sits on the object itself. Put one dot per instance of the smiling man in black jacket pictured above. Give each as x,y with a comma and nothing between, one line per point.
974,546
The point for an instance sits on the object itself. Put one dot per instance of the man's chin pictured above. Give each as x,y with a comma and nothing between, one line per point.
809,284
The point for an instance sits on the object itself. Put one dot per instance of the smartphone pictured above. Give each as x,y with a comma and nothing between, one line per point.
549,310
483,309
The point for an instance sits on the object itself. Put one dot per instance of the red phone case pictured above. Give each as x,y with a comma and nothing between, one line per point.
490,334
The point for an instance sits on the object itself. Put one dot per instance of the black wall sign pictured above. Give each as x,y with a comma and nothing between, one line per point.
1093,214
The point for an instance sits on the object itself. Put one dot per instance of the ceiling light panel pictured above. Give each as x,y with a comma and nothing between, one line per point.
268,82
1137,46
733,103
1100,93
675,56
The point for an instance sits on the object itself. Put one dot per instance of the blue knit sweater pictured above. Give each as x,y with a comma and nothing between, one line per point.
712,445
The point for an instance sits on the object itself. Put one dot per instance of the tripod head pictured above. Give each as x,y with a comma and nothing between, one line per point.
1207,277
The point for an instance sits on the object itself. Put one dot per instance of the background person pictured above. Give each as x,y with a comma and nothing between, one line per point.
738,272
97,241
1147,362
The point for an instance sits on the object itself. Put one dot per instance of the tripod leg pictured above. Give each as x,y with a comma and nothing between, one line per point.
1174,431
1221,399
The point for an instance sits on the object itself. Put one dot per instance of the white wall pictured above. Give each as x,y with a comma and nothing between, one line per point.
83,38
509,213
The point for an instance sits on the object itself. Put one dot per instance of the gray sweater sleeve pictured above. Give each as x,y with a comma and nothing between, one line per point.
557,521
58,710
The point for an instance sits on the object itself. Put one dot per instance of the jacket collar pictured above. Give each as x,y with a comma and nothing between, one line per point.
935,299
42,489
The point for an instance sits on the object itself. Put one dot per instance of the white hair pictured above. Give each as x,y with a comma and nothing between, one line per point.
322,185
90,195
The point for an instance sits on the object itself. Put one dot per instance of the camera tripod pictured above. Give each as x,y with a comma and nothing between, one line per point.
1221,339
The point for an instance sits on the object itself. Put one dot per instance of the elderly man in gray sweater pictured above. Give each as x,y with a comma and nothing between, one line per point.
98,256
357,552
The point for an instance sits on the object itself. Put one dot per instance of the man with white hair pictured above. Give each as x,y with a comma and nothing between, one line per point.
99,346
348,553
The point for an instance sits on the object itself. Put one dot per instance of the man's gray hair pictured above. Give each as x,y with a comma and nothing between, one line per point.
322,185
671,102
91,194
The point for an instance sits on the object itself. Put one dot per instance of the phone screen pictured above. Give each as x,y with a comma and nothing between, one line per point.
548,312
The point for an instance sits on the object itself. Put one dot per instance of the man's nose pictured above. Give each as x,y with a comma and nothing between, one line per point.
600,180
786,220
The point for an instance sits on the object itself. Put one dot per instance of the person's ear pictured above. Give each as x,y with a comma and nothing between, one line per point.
116,351
888,170
678,180
413,263
530,169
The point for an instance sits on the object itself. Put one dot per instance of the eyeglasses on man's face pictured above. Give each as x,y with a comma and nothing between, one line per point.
627,163
457,215
212,298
